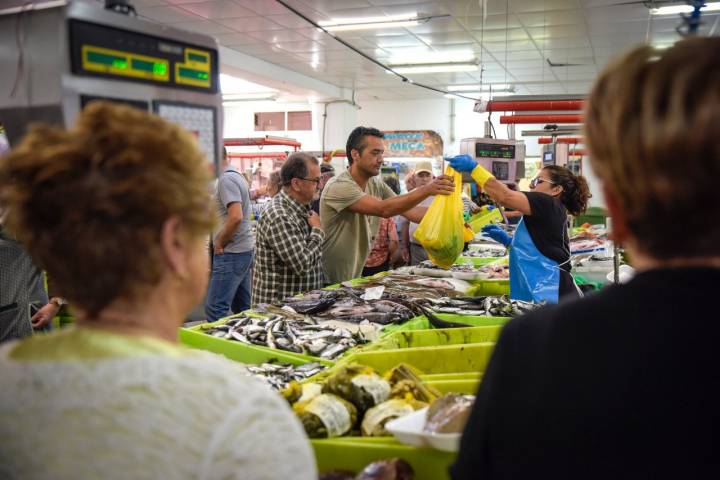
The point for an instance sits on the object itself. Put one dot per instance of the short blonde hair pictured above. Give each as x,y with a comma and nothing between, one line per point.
652,126
89,203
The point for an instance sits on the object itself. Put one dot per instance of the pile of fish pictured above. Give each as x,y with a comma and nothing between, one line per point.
492,271
497,272
484,252
353,305
290,334
501,306
413,289
279,375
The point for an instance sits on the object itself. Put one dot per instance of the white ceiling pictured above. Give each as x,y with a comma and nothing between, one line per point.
517,38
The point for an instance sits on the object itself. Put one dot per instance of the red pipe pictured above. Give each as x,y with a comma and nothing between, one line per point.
278,155
506,119
244,142
533,105
549,140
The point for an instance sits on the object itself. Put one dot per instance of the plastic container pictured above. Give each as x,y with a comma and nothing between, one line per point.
481,219
436,337
477,261
491,287
355,453
409,431
471,357
422,323
240,352
468,386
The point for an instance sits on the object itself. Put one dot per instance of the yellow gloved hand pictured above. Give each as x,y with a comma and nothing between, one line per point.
480,175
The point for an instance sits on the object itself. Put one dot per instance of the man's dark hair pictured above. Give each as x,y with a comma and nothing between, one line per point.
356,140
296,167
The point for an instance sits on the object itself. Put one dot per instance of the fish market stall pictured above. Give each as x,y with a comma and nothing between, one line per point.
355,358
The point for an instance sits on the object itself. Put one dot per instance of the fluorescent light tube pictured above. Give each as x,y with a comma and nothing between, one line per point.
368,26
364,23
675,9
248,97
479,95
436,68
481,88
424,57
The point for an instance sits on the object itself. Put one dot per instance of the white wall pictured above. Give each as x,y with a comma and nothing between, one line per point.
240,122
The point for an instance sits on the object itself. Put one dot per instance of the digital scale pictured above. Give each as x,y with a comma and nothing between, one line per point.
67,54
505,159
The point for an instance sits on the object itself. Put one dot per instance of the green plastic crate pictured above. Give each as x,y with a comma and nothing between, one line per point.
471,357
195,337
422,323
478,261
355,453
481,219
490,287
466,386
436,377
436,337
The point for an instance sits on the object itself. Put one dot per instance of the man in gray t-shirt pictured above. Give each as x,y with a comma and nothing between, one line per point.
233,246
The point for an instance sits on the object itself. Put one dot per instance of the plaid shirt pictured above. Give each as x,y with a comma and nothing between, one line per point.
287,252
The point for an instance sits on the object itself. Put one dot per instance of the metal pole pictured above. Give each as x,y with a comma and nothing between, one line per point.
616,263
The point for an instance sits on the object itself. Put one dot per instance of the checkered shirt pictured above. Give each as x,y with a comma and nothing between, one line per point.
288,253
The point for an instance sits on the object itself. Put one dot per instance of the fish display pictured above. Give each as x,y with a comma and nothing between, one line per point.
279,375
484,252
347,304
288,333
492,306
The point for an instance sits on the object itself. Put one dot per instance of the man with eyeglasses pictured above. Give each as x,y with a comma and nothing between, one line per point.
289,235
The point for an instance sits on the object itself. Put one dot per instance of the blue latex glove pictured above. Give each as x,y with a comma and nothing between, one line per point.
462,163
497,234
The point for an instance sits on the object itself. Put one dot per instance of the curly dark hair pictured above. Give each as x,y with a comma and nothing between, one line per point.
356,140
89,203
576,192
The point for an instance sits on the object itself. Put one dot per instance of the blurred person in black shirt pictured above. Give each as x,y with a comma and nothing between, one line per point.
621,384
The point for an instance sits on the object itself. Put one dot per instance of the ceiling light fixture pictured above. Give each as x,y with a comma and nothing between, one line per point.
481,88
248,97
389,21
478,95
675,9
425,57
435,68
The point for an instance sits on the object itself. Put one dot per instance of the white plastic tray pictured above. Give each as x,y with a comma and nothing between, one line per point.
409,430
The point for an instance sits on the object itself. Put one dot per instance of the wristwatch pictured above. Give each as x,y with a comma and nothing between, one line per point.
59,301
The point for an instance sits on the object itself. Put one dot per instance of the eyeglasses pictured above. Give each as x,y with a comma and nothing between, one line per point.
537,181
316,180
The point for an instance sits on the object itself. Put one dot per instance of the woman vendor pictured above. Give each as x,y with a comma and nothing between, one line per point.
540,250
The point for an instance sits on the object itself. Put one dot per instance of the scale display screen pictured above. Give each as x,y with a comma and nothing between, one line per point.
494,150
98,50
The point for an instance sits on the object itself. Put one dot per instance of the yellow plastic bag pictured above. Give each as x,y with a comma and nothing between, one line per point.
442,231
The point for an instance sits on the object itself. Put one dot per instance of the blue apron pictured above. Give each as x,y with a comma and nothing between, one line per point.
533,276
